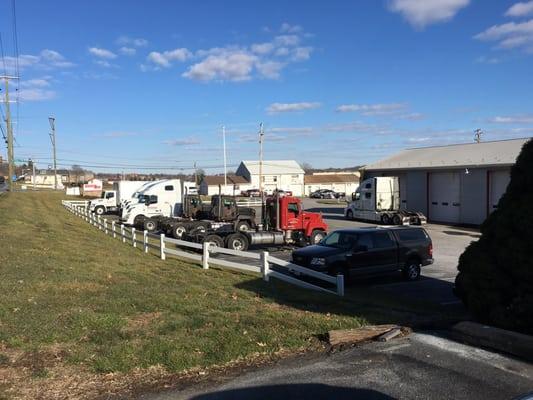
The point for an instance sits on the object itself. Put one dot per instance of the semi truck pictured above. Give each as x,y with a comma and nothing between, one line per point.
110,201
196,215
284,223
378,200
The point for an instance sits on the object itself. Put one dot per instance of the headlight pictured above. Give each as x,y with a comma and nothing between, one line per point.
318,261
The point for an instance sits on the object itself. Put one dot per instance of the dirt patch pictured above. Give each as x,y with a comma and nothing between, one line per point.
60,381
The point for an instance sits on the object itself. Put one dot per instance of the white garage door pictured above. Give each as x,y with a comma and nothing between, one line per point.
498,184
444,196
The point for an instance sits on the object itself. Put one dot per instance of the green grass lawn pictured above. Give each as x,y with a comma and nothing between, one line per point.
68,289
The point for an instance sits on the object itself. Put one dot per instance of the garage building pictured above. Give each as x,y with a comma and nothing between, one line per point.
277,174
213,185
457,184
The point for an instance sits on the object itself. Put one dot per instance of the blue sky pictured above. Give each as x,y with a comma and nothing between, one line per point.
142,84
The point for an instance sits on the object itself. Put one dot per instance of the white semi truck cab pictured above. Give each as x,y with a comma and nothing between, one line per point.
378,200
162,198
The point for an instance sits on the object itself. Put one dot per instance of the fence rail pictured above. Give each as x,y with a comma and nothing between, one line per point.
270,267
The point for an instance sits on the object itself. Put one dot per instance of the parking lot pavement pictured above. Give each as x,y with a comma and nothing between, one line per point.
424,365
437,280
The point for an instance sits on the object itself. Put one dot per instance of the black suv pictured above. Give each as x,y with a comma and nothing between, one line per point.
362,251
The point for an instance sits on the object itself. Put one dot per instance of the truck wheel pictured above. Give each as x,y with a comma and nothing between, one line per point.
138,221
100,210
316,236
215,240
385,219
242,226
237,241
349,215
411,271
200,228
178,231
150,225
396,220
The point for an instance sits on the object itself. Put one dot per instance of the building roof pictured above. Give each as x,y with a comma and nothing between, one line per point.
219,180
274,167
495,153
331,178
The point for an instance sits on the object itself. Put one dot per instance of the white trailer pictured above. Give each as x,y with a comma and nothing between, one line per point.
110,200
161,198
378,200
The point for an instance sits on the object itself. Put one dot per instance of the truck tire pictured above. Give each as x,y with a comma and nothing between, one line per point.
411,271
237,241
178,230
138,221
316,236
349,215
150,225
100,210
396,220
201,227
242,226
215,240
385,219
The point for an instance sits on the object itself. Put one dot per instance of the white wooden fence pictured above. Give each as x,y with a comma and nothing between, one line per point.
160,243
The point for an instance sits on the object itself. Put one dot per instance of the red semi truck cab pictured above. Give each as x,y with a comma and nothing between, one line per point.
292,217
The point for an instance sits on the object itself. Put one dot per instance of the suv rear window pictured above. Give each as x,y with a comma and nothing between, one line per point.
409,235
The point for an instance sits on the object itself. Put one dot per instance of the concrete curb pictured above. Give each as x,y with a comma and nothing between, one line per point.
517,344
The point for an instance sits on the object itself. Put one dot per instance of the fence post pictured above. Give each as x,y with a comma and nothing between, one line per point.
145,240
340,284
123,233
265,267
86,215
205,255
113,229
100,222
133,238
162,245
105,225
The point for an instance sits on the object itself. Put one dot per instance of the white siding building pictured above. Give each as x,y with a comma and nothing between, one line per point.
277,174
213,185
457,184
345,183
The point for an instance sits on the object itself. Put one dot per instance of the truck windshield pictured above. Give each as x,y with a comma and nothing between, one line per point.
143,198
340,240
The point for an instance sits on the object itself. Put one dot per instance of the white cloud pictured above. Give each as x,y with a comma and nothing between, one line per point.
512,119
36,89
521,9
166,58
229,65
262,48
269,69
127,51
412,116
420,13
182,142
127,41
288,28
105,64
510,35
373,109
47,59
301,53
287,40
488,60
102,53
276,108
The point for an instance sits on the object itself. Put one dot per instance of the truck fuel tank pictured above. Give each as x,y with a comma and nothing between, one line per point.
266,238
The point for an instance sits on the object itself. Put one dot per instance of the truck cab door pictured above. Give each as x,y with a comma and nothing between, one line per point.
295,217
110,200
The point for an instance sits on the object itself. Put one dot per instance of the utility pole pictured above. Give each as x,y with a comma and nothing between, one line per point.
52,121
225,170
477,135
261,135
33,172
10,154
195,175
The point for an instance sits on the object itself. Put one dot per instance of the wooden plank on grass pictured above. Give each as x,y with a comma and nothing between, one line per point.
350,336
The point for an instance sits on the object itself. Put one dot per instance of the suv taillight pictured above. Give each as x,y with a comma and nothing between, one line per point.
430,250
